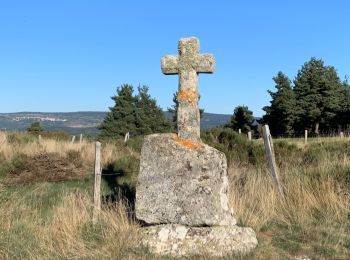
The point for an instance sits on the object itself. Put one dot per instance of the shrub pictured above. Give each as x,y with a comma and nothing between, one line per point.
19,163
127,169
35,128
135,143
57,135
235,146
122,172
4,165
18,139
74,157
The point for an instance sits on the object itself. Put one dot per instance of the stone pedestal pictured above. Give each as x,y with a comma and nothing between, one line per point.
182,191
181,241
182,182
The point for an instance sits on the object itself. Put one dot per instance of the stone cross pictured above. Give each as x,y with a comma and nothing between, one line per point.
188,64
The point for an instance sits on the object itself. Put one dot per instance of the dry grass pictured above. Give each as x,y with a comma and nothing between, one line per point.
33,147
258,202
312,217
67,233
53,221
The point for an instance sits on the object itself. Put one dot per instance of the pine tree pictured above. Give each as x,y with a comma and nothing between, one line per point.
173,109
35,128
138,115
317,90
121,118
149,117
242,118
280,115
343,116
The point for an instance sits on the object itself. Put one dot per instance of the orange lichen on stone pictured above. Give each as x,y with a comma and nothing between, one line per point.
188,144
188,95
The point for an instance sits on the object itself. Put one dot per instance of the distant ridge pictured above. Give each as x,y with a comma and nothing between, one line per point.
85,122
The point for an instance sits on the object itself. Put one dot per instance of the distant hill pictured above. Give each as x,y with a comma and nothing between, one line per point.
80,122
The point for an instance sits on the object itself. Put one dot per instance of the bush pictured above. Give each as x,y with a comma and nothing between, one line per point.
17,139
16,165
4,165
35,128
135,143
256,155
122,172
57,135
127,169
19,163
74,157
236,146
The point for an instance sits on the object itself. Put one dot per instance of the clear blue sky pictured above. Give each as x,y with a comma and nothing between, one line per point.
71,55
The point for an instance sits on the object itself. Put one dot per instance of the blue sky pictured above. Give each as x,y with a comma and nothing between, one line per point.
60,56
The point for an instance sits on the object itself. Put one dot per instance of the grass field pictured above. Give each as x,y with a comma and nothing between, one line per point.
45,210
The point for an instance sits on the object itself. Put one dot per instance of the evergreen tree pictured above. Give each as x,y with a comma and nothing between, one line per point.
35,128
138,115
317,90
149,117
242,118
280,115
343,116
122,116
173,109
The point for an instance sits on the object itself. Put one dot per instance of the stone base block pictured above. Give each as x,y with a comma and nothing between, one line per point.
182,182
182,241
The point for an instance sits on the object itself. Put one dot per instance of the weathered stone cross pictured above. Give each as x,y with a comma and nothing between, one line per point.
188,64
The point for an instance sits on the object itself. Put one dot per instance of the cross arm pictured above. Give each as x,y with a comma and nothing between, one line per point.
170,64
205,63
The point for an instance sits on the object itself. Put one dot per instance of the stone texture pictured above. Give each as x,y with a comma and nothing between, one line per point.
188,64
182,182
182,187
182,241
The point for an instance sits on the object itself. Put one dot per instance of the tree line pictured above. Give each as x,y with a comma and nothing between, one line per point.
316,100
137,114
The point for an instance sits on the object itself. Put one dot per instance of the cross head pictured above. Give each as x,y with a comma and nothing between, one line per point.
188,64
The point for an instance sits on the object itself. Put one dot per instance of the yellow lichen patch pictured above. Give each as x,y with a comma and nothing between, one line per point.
188,144
188,95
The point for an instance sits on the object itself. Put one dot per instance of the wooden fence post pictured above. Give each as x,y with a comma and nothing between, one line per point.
239,131
39,137
305,138
81,139
73,139
126,138
97,184
250,135
271,157
341,135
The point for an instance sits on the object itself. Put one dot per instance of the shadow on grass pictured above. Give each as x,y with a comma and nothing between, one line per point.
121,186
